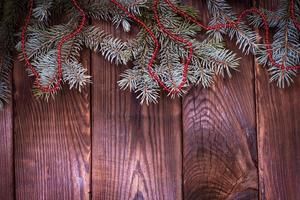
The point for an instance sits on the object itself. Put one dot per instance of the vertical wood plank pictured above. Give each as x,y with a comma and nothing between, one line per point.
136,149
278,134
6,152
219,145
52,142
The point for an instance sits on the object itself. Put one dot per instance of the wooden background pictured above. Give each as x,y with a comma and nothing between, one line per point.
238,140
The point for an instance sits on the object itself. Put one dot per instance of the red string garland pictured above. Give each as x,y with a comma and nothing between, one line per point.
55,88
179,39
231,24
156,43
153,74
234,24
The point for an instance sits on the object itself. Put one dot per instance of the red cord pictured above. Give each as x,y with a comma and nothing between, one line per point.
156,43
55,88
179,39
232,24
238,21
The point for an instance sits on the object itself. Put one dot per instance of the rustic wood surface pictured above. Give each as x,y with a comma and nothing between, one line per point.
6,153
52,143
239,140
278,135
136,149
219,138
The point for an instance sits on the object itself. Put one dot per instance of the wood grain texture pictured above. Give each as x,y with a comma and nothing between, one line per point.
52,142
6,153
278,135
136,149
203,148
219,143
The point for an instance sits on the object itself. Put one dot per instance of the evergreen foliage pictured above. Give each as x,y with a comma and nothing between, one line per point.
211,58
286,43
10,14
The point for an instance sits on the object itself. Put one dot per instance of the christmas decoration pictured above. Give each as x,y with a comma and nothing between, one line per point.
165,54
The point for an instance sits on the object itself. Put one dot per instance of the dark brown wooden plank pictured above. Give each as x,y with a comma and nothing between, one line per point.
136,149
52,142
219,145
6,153
278,135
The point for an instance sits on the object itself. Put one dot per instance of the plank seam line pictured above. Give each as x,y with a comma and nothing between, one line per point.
256,3
91,125
13,89
181,147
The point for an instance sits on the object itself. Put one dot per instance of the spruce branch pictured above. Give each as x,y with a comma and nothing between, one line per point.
113,49
211,57
222,13
285,46
10,13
